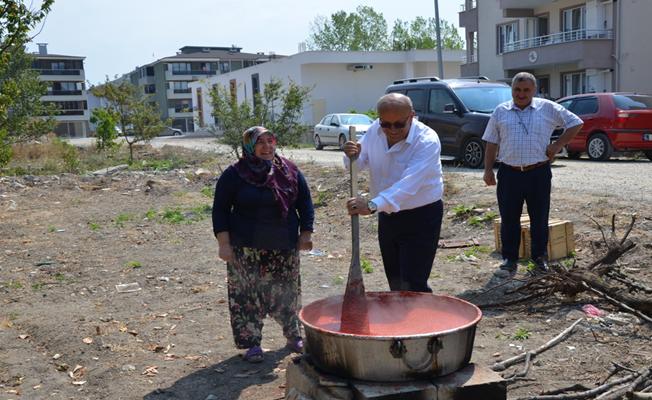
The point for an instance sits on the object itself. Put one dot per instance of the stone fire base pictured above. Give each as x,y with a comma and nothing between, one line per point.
304,382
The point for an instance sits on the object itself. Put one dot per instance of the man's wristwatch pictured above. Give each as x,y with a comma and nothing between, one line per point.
372,206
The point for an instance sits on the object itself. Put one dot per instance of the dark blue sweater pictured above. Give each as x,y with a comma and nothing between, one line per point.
253,218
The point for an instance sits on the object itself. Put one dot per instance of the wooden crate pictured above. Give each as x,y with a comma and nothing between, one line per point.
561,241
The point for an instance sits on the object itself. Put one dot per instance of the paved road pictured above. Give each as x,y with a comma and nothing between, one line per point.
625,177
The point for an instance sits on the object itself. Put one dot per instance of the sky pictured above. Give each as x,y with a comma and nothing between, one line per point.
115,36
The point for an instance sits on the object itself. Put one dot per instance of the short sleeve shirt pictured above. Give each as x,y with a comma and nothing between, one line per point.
523,135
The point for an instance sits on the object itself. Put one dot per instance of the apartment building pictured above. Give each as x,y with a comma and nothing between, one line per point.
571,46
167,79
66,89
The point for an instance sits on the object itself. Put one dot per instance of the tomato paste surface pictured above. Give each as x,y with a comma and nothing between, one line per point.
391,314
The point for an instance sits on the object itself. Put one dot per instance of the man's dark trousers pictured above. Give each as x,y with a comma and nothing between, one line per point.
513,188
408,243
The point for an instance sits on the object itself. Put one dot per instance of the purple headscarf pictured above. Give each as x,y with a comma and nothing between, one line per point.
279,174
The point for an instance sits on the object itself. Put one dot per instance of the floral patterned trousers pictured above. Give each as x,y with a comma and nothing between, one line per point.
260,283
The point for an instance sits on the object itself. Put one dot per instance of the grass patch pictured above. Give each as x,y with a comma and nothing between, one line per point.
187,216
208,191
59,277
121,218
134,264
37,286
52,228
150,215
13,285
52,155
521,334
462,210
366,266
94,226
480,220
321,200
338,280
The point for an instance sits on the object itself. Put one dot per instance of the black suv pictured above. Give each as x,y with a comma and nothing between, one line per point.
457,109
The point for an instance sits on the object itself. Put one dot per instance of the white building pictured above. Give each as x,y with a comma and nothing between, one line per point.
571,46
340,81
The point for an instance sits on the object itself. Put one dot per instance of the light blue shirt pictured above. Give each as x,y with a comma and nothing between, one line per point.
524,135
408,174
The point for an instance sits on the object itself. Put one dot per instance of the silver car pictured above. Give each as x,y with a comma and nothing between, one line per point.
333,129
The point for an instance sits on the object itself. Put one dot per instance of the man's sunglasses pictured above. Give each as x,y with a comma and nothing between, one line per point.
395,125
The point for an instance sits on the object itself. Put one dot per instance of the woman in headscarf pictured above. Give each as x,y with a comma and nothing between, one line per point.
262,216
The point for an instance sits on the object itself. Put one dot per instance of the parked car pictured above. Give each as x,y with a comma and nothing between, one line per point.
333,129
457,109
613,122
171,131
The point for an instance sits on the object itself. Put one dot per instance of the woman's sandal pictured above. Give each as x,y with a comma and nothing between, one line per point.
254,355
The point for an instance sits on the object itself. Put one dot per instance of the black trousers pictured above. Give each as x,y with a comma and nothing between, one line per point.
408,243
513,188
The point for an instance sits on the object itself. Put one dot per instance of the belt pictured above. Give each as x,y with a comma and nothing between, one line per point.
524,168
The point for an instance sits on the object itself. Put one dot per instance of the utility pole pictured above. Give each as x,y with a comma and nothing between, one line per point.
437,27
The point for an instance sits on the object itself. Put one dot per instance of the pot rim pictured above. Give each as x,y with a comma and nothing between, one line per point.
464,327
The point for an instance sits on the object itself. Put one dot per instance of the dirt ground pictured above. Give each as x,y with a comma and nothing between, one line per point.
66,332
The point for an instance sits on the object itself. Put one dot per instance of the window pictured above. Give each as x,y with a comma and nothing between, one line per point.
255,84
58,65
180,86
632,102
151,88
585,106
150,71
438,100
574,83
566,103
574,23
326,120
225,67
507,35
180,67
418,97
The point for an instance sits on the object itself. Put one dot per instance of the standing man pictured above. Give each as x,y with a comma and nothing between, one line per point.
522,128
406,186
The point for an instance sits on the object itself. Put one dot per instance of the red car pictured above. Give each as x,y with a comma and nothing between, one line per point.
613,122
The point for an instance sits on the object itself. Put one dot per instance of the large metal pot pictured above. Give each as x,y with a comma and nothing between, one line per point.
427,353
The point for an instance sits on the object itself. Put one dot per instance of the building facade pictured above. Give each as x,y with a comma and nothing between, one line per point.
339,81
571,46
167,80
65,78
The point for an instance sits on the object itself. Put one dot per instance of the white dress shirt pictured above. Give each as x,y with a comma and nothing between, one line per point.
524,135
408,174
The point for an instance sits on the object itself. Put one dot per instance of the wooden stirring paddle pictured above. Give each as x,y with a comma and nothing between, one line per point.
354,318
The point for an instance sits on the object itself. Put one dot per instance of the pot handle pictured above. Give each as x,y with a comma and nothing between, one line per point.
398,350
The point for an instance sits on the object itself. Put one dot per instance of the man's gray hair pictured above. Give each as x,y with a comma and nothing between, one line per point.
524,77
394,101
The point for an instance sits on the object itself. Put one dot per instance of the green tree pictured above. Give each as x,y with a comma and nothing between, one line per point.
105,121
278,108
362,30
20,88
421,33
138,119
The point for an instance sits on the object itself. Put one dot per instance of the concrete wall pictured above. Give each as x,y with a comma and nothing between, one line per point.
635,54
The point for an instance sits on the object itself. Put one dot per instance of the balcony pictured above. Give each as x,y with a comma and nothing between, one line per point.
587,48
69,112
523,4
180,111
63,93
194,72
179,93
468,19
470,66
59,71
